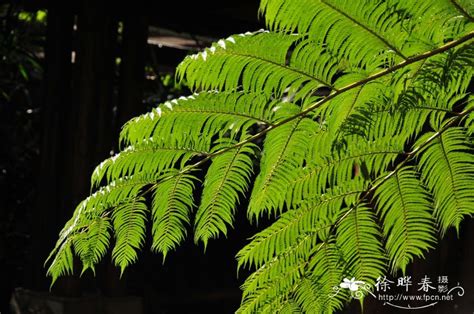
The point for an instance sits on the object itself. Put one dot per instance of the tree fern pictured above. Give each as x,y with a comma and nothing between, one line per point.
348,123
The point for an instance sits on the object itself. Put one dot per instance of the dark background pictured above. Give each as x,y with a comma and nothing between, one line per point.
68,83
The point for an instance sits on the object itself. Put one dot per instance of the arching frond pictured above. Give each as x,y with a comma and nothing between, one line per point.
204,114
226,179
406,211
171,208
284,152
63,261
358,237
149,158
99,203
91,245
447,168
314,216
259,62
129,227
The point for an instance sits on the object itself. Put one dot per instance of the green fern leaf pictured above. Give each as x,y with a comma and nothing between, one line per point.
406,211
257,62
293,226
284,152
129,227
447,167
226,179
172,204
324,272
204,114
345,24
358,237
63,262
339,167
91,245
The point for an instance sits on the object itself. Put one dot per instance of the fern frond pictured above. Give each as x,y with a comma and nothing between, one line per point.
387,29
465,7
171,208
342,25
129,228
336,112
339,167
226,179
406,211
277,288
281,236
100,202
358,237
307,295
313,216
447,168
115,193
284,152
91,245
324,272
289,307
336,94
201,114
63,262
257,62
294,255
434,21
150,158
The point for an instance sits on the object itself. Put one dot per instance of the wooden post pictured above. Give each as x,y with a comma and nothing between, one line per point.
50,214
132,67
94,93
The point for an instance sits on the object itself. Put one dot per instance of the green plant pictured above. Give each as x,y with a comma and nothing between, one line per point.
367,128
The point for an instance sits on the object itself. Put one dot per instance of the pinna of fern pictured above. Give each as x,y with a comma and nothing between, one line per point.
360,117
